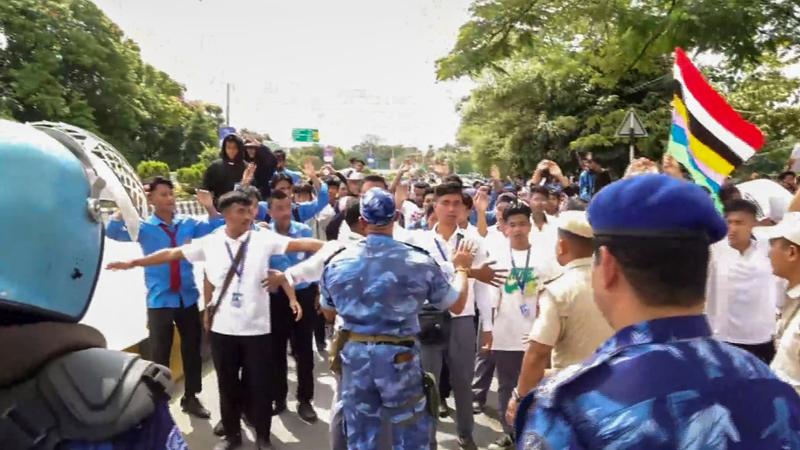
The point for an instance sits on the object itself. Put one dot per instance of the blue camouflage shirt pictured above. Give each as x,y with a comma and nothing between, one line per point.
378,285
662,384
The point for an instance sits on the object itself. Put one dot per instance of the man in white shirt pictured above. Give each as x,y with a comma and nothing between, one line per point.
793,163
742,293
460,351
240,333
515,305
484,363
543,231
785,258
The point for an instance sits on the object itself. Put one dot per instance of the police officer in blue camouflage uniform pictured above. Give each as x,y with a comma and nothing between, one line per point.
60,388
661,382
377,287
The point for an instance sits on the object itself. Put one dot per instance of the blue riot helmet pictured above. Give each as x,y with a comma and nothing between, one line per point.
51,232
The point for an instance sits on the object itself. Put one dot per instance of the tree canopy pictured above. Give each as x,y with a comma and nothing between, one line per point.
64,60
558,76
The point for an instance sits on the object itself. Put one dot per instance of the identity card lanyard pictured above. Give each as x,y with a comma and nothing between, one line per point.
459,236
236,297
520,277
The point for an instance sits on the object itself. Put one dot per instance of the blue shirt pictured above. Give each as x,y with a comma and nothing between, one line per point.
283,262
153,238
662,384
301,212
378,286
586,185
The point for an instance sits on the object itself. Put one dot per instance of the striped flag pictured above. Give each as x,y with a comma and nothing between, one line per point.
708,136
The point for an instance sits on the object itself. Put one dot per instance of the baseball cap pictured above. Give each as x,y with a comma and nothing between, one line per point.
788,228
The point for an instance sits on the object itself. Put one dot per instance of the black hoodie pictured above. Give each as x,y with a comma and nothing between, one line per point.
224,173
265,163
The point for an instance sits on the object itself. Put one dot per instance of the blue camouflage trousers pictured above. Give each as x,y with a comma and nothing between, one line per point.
384,381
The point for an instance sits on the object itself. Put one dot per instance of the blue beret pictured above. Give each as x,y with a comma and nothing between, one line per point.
657,206
377,206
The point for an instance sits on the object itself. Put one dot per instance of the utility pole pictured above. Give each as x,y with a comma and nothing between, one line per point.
227,104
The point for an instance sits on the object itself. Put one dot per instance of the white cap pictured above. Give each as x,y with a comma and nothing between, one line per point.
576,223
788,228
355,176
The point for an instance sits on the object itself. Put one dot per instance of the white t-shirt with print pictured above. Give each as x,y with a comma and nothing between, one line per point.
252,316
515,300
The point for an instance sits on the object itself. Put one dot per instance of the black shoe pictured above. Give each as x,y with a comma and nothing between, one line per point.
219,429
229,443
191,405
444,411
467,444
306,412
504,442
279,408
477,408
263,444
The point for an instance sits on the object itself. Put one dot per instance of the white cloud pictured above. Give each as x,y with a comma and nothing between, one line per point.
347,67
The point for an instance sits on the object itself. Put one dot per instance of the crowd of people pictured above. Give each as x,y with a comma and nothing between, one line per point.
437,288
624,314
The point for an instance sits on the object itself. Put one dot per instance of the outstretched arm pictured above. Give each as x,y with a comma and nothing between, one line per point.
153,259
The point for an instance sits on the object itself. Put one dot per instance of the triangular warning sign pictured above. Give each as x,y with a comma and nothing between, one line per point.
631,126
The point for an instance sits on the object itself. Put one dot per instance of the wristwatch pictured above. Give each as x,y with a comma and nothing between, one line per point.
515,395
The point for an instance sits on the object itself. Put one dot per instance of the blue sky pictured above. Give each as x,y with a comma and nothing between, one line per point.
347,67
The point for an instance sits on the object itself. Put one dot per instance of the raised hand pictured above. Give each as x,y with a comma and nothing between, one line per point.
495,172
464,255
249,173
308,169
481,201
205,198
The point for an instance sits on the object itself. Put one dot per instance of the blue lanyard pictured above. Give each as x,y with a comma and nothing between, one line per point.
240,269
459,236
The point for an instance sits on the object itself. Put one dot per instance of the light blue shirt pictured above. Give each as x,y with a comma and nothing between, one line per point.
283,262
153,238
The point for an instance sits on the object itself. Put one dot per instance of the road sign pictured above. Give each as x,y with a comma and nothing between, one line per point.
305,135
225,131
631,126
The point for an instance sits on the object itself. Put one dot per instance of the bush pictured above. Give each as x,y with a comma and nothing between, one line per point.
150,169
208,155
191,178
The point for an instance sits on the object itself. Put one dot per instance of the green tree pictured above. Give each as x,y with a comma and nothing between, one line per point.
66,61
150,169
555,78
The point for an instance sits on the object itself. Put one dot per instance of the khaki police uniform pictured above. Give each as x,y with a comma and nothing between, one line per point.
568,318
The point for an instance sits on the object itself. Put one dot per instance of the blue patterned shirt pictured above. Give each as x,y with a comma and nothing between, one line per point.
662,384
378,285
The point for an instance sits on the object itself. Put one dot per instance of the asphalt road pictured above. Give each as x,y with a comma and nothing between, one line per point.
289,432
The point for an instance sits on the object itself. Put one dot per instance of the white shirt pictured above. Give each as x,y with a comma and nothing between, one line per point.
547,236
786,363
252,317
321,221
742,293
796,157
515,309
479,293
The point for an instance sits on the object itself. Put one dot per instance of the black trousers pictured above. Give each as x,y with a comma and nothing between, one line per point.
250,356
160,323
765,352
319,330
301,336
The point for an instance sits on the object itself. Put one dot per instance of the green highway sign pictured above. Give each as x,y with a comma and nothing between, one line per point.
305,135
